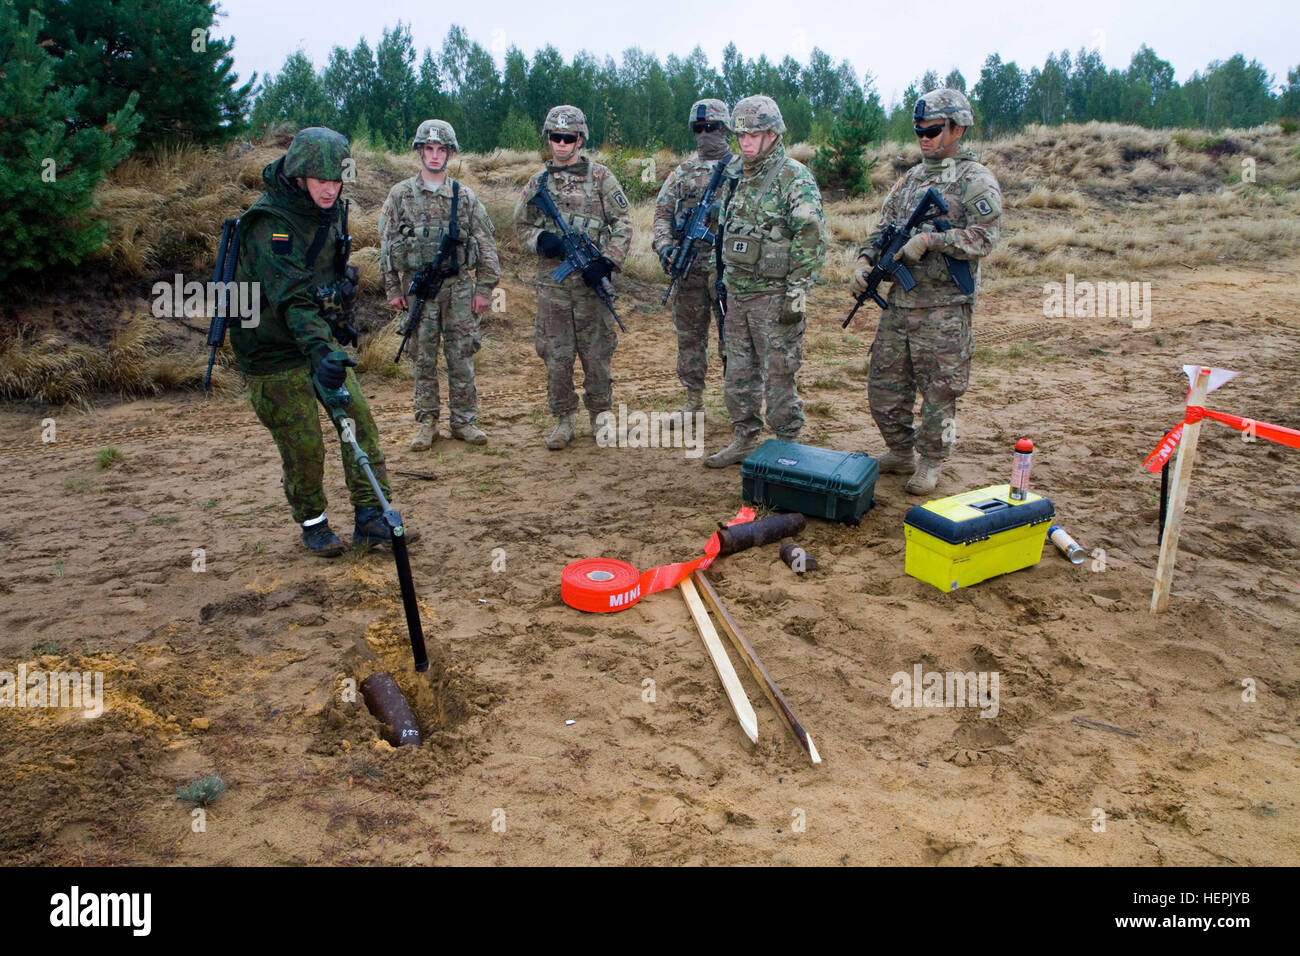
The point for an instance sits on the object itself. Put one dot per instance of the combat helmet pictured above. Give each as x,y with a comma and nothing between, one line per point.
435,131
565,119
710,111
317,152
944,104
754,114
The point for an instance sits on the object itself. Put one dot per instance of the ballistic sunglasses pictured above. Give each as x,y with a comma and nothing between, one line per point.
706,127
562,137
930,132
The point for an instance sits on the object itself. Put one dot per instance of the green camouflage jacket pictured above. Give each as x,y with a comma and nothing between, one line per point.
591,201
682,191
774,242
276,238
411,225
974,210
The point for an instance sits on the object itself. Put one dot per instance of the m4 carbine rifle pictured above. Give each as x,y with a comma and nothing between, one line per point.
696,230
891,241
579,251
224,273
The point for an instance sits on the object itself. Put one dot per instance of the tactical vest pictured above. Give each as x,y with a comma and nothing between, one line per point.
751,248
417,244
593,227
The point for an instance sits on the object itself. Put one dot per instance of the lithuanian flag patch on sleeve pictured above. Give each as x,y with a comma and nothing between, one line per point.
281,243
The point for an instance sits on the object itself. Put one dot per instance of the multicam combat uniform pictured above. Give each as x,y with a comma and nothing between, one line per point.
679,195
288,244
414,218
924,341
774,242
571,321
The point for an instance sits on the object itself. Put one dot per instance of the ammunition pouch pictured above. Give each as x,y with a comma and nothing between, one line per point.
759,256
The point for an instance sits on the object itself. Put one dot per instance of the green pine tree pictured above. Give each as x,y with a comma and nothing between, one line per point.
49,167
841,163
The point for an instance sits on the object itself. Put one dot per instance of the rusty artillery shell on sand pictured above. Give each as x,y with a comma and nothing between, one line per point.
385,700
763,531
797,559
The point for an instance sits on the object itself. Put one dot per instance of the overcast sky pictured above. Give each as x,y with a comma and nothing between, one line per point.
895,41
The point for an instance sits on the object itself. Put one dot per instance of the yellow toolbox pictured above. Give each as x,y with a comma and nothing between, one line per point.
961,540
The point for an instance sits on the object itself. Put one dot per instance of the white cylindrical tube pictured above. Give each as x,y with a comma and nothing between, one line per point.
1065,544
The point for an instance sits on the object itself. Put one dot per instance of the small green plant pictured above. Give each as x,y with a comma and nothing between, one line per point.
210,503
165,520
108,457
46,647
259,548
80,486
131,526
1289,125
204,791
58,567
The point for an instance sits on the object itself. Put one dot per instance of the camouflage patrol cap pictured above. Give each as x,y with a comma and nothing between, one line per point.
565,119
435,131
944,104
710,111
317,152
754,114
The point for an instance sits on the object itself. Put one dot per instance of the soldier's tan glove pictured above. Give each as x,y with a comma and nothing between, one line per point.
858,281
916,247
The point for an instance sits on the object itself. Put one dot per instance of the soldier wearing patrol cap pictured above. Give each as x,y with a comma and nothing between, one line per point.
291,242
773,244
571,321
416,216
923,342
710,121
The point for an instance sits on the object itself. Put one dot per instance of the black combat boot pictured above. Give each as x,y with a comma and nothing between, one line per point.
371,528
321,540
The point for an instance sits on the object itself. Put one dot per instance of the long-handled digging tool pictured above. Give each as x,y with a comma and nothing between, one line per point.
335,402
721,662
755,666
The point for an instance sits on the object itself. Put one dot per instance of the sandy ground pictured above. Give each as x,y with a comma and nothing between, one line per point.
96,574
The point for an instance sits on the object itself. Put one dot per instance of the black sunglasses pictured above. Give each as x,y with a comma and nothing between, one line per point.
930,132
706,127
563,137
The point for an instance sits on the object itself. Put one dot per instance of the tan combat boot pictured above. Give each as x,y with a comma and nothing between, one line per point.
426,436
694,403
736,452
897,461
925,477
563,433
469,432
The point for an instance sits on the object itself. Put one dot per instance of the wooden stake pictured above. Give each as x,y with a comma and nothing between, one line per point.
756,667
1178,499
721,662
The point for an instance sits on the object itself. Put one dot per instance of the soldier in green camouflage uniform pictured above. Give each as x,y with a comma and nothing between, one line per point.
290,244
773,244
412,223
571,321
924,342
681,192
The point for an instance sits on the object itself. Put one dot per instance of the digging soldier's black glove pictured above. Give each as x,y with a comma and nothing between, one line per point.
333,370
596,270
550,246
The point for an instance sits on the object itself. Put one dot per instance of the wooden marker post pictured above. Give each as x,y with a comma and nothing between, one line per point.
721,662
1182,478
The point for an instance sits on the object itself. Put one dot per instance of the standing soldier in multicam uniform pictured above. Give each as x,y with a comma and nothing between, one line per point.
774,241
924,342
681,192
571,321
412,223
291,242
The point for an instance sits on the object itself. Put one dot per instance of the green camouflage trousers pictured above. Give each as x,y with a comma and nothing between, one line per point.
572,323
692,315
286,404
762,358
451,319
926,351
